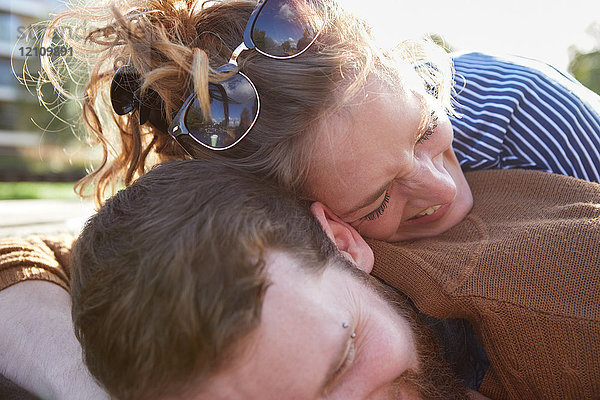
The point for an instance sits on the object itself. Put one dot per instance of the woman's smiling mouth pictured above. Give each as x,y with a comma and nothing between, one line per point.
428,211
430,214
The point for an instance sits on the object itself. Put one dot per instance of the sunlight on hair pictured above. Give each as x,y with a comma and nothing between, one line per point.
180,5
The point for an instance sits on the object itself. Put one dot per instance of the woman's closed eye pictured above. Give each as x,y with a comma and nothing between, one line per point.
429,128
379,210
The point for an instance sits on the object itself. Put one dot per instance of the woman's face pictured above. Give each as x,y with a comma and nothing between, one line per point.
387,167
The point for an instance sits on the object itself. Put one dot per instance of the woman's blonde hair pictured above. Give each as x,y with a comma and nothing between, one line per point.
176,45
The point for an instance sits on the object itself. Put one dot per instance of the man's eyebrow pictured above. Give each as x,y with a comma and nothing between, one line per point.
369,200
336,362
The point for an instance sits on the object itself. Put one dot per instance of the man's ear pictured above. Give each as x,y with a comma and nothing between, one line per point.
345,237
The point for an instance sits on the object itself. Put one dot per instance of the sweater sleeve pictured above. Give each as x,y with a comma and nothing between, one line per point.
35,258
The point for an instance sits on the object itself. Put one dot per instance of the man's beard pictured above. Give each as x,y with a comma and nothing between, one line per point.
434,378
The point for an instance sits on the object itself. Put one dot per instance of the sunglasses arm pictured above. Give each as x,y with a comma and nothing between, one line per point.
250,25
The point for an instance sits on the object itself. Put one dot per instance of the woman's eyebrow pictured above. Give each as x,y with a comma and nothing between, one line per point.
369,200
336,362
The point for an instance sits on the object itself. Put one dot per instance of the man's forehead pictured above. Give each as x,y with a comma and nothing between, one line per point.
286,269
287,352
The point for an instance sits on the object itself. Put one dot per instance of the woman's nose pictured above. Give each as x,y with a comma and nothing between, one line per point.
434,183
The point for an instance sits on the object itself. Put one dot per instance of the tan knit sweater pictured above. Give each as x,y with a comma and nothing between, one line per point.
524,269
35,258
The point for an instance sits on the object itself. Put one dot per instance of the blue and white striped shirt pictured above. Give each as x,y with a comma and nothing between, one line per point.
520,113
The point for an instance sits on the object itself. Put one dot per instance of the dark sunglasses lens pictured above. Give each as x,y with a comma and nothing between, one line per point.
124,84
234,109
284,28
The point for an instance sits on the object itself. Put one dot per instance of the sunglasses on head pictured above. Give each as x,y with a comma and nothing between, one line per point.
280,29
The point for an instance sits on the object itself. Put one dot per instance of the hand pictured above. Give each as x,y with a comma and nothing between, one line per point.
38,350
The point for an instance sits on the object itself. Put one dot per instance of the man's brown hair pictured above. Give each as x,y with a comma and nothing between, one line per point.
168,275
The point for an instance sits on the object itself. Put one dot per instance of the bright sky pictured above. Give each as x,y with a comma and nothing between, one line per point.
541,29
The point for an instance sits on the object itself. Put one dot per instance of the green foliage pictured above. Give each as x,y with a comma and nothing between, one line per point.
440,41
36,190
585,66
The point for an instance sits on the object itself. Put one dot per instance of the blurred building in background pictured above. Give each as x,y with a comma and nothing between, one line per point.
34,145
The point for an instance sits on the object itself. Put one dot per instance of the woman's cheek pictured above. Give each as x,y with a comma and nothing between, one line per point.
382,228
